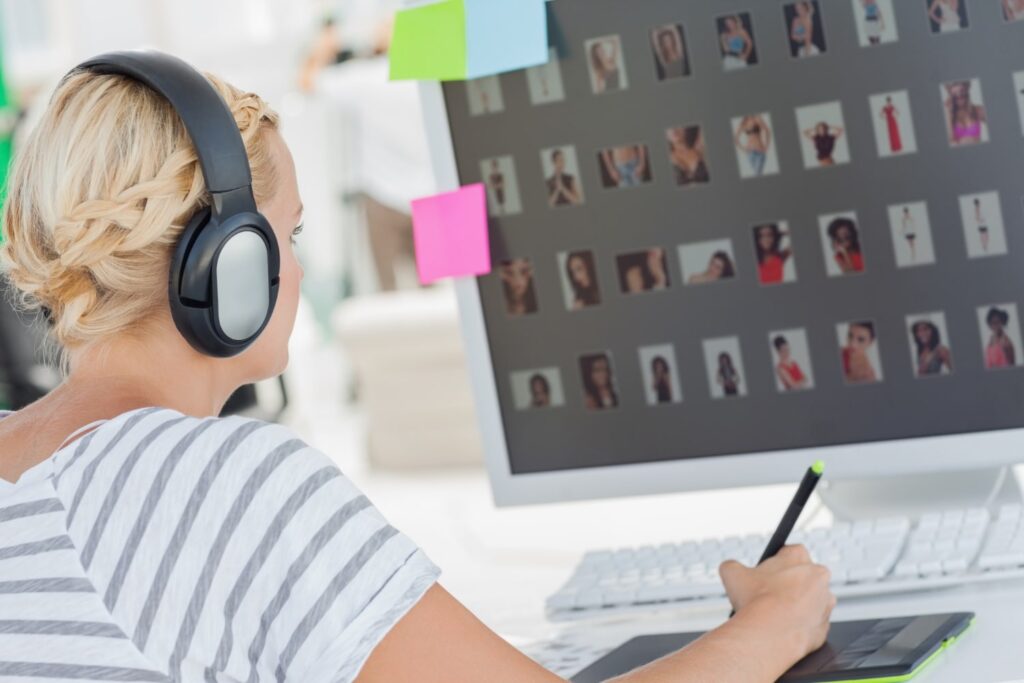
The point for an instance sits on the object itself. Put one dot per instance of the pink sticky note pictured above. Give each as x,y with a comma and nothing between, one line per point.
450,232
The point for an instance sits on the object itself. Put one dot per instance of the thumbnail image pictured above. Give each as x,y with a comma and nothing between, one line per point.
545,81
1000,336
705,262
725,367
894,124
911,234
755,145
841,241
982,217
792,360
736,41
624,166
773,245
686,153
964,109
562,176
947,16
607,65
1013,10
578,272
806,29
598,375
823,135
668,43
661,379
485,96
858,350
518,285
929,344
876,22
499,176
537,389
643,271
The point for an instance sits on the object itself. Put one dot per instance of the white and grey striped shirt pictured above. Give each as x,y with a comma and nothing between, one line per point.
161,547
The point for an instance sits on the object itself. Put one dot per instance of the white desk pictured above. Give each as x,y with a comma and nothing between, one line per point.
503,563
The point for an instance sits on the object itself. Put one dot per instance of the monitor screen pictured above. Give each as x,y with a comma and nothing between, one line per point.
727,228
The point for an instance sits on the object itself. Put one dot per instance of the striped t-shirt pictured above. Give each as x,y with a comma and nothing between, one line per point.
161,547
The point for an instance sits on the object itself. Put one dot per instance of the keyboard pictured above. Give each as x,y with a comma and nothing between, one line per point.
866,558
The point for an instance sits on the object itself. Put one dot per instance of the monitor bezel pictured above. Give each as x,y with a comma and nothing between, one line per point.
973,451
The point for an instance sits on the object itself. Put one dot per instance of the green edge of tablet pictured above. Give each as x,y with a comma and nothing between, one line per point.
946,644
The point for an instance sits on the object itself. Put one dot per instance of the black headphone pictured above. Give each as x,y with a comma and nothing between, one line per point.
225,269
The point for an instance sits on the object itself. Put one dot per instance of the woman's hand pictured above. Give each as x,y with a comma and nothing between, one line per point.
786,599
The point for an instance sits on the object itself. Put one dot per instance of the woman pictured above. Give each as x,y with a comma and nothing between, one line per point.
981,224
517,281
661,380
735,42
598,385
908,226
771,257
686,152
801,31
604,65
891,115
874,22
933,358
726,376
562,187
496,181
824,138
122,491
625,166
945,16
1013,10
582,276
965,120
540,391
857,366
657,269
720,267
1000,352
669,52
789,372
754,138
845,240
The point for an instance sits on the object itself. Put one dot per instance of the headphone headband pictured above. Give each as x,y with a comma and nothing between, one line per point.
206,116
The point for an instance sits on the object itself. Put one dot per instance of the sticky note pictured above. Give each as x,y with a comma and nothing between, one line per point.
505,35
459,39
450,234
429,43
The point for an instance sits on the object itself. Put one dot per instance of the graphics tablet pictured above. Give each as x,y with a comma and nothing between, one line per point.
877,650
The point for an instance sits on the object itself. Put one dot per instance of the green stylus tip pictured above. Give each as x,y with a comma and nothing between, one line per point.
818,467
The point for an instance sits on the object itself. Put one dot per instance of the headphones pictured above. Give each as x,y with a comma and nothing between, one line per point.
225,269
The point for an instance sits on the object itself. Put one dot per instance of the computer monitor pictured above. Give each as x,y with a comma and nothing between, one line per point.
730,238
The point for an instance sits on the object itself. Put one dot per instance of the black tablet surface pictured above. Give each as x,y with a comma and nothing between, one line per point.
872,650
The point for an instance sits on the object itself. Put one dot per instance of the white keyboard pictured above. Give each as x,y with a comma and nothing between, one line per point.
866,558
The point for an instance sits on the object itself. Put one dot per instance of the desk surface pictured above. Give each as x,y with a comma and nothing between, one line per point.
503,563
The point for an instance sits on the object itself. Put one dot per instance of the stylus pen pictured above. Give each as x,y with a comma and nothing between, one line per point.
796,506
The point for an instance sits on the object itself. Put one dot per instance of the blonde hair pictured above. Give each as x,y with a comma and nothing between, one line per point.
99,195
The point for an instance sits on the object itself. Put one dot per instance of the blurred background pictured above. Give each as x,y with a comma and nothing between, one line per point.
377,377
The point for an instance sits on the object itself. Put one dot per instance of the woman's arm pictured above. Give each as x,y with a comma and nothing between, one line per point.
838,131
783,608
748,46
933,12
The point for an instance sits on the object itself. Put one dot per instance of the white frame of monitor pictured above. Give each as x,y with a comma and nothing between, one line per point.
857,461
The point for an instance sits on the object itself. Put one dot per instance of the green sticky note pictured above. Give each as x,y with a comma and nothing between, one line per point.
429,43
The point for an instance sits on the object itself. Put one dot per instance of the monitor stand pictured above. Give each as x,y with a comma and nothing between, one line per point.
914,495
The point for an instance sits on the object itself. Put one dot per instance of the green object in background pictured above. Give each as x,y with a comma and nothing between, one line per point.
8,119
429,43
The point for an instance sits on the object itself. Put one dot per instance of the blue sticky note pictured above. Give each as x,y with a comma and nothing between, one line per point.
505,35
